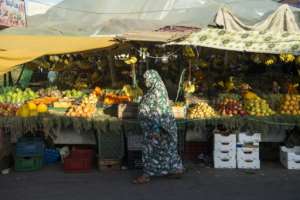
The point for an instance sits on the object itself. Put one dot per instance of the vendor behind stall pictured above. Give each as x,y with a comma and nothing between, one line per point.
160,155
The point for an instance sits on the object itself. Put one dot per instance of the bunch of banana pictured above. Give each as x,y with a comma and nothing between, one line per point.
131,60
202,63
189,52
132,92
271,60
228,86
189,87
248,95
287,58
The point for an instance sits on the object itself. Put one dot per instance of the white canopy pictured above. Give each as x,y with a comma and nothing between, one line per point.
100,17
281,20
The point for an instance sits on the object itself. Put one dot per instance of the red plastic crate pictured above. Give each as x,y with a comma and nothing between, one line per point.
79,160
82,153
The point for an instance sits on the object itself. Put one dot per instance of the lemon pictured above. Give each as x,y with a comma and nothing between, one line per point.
24,111
41,108
31,106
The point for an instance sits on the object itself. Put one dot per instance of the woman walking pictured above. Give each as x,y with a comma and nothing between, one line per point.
160,155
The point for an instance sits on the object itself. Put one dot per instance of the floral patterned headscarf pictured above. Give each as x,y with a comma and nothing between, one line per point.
155,107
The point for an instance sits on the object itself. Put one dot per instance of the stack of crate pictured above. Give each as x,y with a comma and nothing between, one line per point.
29,154
248,151
225,150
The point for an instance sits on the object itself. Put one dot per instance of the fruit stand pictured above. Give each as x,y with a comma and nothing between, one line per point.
221,78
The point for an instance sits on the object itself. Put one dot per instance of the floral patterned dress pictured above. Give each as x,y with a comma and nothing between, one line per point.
160,155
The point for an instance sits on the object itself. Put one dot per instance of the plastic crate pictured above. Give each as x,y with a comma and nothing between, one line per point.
134,160
28,163
79,160
51,156
30,147
135,142
83,153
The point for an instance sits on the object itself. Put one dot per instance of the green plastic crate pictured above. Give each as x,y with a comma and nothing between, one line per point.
24,164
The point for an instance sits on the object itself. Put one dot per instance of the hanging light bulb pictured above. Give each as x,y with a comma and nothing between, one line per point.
165,59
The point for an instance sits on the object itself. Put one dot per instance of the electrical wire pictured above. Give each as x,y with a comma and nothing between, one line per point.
113,13
158,57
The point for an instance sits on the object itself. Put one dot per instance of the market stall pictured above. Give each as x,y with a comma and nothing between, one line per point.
240,80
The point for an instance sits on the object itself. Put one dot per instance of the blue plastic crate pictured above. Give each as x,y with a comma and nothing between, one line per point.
30,147
51,156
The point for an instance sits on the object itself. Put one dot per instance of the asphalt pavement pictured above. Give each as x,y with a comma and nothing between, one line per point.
51,183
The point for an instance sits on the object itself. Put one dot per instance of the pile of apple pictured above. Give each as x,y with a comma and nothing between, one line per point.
231,107
258,107
8,109
290,105
201,111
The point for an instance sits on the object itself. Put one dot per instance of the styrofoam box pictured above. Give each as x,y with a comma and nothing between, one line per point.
290,157
249,145
225,146
224,163
246,153
248,163
225,154
244,138
223,142
225,138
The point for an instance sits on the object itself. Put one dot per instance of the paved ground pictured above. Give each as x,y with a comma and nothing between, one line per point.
274,183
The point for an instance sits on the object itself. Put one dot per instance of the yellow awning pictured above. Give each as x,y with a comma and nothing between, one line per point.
18,49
